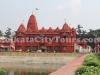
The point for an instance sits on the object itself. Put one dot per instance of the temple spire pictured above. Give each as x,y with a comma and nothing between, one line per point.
32,23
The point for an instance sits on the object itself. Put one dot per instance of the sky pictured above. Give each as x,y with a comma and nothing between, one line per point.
50,13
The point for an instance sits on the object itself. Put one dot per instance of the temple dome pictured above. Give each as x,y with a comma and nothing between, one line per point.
57,30
21,28
32,23
43,30
66,27
50,30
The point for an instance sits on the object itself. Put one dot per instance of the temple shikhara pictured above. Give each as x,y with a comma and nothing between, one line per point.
32,31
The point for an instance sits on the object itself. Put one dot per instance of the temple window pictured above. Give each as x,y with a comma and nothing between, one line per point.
19,38
27,38
64,37
49,48
64,48
19,47
50,38
35,48
36,37
56,48
33,37
42,37
56,38
28,47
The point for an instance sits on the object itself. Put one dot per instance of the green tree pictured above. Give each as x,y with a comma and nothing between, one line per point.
84,34
1,33
97,32
43,48
8,33
79,31
91,34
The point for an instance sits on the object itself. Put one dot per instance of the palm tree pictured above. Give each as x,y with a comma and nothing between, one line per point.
79,31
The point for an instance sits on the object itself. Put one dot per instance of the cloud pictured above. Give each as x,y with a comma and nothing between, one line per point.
72,6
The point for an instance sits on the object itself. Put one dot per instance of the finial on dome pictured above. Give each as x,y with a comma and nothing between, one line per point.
65,20
70,25
32,12
22,21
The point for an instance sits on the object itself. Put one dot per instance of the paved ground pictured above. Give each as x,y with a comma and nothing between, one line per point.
70,68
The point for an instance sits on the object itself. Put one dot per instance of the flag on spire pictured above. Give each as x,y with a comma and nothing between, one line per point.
37,9
22,21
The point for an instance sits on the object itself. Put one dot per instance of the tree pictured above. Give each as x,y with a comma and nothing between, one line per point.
8,33
84,34
93,32
98,32
91,35
43,48
1,33
79,31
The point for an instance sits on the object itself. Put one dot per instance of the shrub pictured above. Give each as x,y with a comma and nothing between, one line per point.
88,73
91,63
98,55
91,60
81,70
91,66
43,48
93,70
85,70
2,72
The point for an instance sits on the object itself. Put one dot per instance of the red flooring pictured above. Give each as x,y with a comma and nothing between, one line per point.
70,68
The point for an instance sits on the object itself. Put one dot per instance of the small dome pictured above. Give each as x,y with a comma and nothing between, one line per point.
65,27
57,30
21,28
50,30
43,30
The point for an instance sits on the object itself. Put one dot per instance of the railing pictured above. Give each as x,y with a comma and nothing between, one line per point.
40,54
